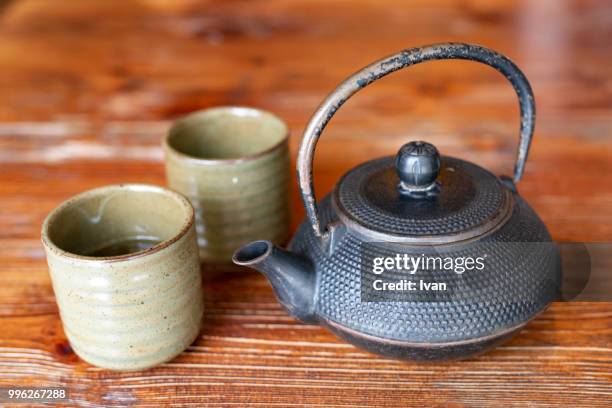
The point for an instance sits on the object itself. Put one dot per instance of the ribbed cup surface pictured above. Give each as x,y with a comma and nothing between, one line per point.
124,264
236,200
134,313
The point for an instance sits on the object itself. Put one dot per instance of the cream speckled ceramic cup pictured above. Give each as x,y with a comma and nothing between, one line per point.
233,165
124,265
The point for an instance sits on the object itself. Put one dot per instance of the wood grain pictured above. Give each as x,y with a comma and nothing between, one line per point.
89,88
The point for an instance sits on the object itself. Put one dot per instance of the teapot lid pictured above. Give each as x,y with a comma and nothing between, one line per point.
422,197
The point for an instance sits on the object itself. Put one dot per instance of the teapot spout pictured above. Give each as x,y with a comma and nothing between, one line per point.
292,276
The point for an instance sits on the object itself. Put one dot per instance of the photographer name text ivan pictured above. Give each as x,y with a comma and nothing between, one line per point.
409,285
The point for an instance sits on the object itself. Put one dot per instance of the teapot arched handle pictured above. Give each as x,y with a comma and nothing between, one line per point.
385,66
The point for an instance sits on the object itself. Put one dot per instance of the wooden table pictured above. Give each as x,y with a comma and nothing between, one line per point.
88,88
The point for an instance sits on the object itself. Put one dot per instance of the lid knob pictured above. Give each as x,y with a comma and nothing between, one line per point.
417,165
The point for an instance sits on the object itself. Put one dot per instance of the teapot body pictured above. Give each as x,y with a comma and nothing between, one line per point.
520,279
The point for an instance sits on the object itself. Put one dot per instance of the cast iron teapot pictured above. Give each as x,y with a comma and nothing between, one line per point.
417,204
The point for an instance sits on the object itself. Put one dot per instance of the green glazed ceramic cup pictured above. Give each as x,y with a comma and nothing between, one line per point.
124,265
233,165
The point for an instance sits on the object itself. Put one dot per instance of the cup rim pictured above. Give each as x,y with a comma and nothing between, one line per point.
179,199
232,110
